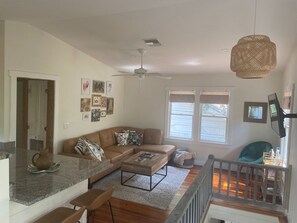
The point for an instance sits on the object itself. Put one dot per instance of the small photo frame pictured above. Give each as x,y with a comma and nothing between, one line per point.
86,116
110,106
96,100
109,88
95,115
103,113
98,86
255,112
85,104
85,86
103,102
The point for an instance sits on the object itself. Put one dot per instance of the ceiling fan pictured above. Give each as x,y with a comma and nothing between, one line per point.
141,73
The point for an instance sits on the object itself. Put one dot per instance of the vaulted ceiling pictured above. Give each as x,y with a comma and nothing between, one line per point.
196,36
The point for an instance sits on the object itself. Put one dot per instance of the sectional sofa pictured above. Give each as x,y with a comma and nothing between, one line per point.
115,154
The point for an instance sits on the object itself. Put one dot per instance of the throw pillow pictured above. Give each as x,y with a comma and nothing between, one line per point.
95,150
122,138
86,148
135,138
81,147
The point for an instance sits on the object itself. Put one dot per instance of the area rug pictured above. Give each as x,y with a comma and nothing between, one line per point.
159,197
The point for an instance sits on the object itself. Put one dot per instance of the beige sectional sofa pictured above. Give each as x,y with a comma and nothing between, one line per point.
152,142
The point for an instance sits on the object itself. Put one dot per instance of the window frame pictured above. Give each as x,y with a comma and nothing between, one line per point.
196,124
168,114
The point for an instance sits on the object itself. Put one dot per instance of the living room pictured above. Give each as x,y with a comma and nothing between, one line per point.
137,103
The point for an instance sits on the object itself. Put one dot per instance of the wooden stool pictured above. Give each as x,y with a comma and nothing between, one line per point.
93,199
62,215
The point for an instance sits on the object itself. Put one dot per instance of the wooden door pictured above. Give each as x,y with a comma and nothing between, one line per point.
50,115
22,113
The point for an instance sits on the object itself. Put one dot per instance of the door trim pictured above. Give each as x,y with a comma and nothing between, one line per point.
13,99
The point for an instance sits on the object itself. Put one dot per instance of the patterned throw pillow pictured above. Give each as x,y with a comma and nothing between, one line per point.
135,138
122,138
81,147
86,147
95,150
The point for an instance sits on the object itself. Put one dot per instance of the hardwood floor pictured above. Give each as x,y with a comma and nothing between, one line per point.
130,212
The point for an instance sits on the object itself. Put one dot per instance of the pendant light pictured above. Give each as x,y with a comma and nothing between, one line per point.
253,56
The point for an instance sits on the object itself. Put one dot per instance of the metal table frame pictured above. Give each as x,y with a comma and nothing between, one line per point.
151,176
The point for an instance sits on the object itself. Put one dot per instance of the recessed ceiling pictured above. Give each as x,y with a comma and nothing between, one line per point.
196,35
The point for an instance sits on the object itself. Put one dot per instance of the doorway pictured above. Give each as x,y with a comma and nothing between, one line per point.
35,114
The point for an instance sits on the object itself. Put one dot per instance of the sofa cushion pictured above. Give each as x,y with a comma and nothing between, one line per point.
125,150
113,156
93,137
167,149
153,136
122,138
107,137
69,144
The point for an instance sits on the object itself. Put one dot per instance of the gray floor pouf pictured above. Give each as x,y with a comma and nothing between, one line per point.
183,159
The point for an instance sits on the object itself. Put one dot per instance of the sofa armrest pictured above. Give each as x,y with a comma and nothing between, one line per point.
77,156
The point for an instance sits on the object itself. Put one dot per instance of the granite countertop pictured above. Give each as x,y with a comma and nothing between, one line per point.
28,188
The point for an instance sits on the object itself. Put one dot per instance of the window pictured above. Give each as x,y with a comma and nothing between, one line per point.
214,108
181,112
197,117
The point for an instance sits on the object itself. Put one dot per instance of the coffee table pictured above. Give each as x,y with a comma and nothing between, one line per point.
146,164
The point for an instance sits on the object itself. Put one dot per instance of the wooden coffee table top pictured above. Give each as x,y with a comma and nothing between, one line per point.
142,164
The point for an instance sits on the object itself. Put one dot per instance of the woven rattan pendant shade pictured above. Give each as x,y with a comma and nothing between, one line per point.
253,57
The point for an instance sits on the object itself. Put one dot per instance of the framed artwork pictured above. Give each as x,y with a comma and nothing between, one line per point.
86,116
103,113
255,112
108,87
98,86
85,86
110,106
96,100
85,104
103,102
95,115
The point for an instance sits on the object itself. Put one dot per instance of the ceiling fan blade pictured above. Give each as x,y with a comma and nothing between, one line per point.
158,75
124,75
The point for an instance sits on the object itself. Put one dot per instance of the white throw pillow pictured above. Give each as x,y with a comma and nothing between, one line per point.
122,138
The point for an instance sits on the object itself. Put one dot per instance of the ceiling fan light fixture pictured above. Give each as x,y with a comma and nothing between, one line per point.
253,57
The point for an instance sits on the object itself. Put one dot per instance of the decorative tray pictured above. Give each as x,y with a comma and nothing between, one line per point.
33,169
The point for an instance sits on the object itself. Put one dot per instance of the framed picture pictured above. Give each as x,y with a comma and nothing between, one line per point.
96,100
255,112
95,115
103,113
110,105
108,87
103,102
85,86
85,104
98,86
86,116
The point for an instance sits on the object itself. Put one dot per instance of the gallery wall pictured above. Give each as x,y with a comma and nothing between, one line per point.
145,106
31,50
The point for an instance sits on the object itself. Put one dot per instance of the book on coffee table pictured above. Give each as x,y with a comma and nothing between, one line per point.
147,155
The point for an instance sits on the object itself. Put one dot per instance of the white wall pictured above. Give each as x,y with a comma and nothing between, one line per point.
32,50
1,80
145,107
290,77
